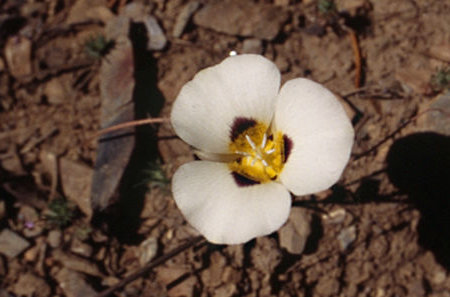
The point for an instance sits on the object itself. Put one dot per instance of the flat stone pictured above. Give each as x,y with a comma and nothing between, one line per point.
76,180
12,244
243,18
294,234
31,285
73,284
75,263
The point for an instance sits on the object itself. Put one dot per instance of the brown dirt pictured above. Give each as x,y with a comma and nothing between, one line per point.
50,111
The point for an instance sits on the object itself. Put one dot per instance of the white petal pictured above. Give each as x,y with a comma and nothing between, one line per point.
225,213
240,86
322,135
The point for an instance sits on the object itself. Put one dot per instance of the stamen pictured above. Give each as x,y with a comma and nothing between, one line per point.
250,141
270,151
264,162
264,141
245,154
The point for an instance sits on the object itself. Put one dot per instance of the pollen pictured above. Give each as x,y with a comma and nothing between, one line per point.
260,155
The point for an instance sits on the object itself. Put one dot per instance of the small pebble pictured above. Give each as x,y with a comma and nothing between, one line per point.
336,216
18,56
252,46
148,249
81,248
157,40
346,237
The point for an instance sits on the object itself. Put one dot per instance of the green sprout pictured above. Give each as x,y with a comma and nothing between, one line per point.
60,213
441,79
98,46
82,232
155,175
326,6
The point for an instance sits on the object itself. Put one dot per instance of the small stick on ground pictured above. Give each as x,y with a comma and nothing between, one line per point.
141,272
131,124
357,54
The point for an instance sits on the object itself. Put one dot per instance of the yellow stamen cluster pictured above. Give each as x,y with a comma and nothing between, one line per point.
260,157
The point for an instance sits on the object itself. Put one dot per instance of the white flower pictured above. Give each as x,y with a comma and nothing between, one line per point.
258,143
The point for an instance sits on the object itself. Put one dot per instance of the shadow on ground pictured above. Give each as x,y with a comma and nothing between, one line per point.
419,165
123,218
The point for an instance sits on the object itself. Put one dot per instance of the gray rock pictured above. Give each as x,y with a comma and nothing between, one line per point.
437,120
12,244
243,18
184,17
138,13
157,40
346,237
294,234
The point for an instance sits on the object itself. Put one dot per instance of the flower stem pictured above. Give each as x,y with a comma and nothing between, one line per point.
194,241
132,124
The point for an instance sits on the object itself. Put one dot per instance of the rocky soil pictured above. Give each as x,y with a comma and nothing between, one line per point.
78,215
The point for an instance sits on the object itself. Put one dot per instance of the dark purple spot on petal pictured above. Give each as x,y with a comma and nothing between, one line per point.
243,181
287,147
240,125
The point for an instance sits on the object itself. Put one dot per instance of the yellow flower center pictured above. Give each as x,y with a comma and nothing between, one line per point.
261,156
